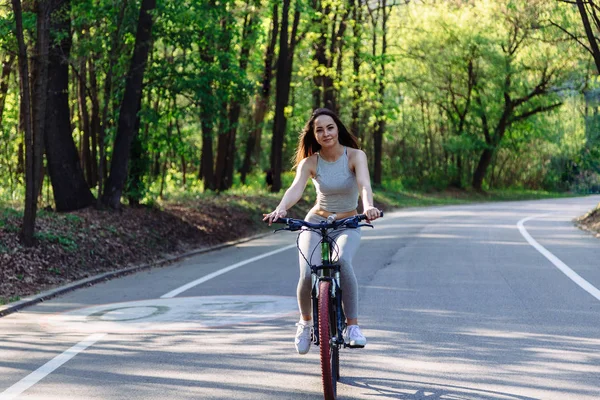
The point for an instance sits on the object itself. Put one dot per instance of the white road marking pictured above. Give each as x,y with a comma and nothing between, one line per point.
222,271
574,276
46,369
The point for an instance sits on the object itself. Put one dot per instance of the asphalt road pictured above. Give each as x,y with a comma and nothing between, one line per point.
489,301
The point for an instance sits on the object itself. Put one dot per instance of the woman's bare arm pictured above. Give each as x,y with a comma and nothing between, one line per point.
361,170
294,193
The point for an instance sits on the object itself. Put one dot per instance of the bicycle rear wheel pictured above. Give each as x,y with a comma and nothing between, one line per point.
327,356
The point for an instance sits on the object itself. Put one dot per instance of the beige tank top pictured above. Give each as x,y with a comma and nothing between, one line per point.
335,183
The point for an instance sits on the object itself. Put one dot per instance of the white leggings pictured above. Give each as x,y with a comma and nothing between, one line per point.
347,242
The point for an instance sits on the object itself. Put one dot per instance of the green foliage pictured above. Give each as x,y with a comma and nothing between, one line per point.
393,194
10,219
447,67
12,299
458,74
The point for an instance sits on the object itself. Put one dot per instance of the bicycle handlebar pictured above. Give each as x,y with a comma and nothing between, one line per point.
297,224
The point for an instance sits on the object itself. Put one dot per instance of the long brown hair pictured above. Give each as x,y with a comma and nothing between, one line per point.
307,143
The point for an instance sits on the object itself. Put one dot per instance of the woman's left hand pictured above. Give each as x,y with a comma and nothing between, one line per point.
273,216
372,213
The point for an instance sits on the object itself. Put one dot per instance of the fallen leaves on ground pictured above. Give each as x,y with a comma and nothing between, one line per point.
84,243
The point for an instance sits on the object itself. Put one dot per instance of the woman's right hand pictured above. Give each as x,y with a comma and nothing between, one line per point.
274,215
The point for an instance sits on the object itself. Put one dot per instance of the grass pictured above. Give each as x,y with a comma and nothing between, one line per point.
407,198
255,197
516,195
4,301
55,271
65,241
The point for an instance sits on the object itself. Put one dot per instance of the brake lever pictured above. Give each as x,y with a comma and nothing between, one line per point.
369,225
290,227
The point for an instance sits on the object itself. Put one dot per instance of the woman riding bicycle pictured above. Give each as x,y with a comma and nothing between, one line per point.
328,153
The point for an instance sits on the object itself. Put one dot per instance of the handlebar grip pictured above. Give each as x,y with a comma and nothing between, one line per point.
363,216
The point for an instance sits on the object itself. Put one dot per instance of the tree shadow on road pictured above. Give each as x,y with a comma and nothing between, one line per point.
416,390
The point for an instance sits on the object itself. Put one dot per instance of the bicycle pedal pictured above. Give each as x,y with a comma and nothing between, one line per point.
356,346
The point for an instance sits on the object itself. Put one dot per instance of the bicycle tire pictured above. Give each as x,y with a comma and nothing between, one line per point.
325,341
335,349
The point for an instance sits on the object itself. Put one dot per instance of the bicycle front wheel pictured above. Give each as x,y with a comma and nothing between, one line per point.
325,347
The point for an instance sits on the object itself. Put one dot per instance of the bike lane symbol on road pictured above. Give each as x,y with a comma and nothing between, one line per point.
174,314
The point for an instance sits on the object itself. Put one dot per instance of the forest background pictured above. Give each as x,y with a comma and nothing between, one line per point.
149,124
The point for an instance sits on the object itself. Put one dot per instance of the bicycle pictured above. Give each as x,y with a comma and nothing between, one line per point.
328,314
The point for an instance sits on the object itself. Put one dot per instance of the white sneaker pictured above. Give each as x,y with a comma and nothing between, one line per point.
303,337
353,337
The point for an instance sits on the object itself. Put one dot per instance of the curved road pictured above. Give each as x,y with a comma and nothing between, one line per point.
488,301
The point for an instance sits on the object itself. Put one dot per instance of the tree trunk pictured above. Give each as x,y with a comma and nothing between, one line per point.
235,108
222,150
282,91
71,191
139,160
456,180
94,121
208,109
377,150
163,177
7,68
356,61
86,153
234,116
226,146
137,166
114,52
39,87
595,50
21,151
336,47
340,58
155,172
225,132
329,100
510,115
183,161
320,45
484,162
130,107
28,229
262,99
378,134
254,137
207,171
154,159
326,53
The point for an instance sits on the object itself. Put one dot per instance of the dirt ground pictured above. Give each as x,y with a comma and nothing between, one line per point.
77,245
590,222
84,243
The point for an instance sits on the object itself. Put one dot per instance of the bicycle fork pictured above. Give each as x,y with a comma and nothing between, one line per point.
318,275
